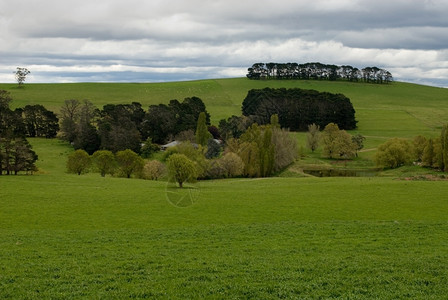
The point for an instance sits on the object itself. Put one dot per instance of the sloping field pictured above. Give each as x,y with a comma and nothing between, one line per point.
398,109
68,236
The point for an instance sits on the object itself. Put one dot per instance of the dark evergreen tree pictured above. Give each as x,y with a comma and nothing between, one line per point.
39,122
16,153
297,108
120,127
317,71
163,122
234,126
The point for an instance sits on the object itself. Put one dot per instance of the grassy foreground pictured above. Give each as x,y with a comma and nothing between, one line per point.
67,236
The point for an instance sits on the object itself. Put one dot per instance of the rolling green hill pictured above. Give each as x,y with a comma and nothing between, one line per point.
397,109
68,236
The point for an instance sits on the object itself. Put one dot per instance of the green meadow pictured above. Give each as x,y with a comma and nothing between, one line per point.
64,236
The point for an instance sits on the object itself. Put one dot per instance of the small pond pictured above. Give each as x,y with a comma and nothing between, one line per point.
341,173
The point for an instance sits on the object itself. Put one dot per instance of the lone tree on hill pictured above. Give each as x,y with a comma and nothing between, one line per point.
21,74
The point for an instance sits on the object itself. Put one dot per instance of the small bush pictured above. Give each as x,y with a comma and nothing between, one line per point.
153,170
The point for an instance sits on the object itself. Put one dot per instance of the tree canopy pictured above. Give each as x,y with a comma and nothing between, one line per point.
181,169
20,75
16,153
318,71
78,162
163,122
297,108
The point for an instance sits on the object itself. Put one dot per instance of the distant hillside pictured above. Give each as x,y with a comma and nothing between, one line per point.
396,109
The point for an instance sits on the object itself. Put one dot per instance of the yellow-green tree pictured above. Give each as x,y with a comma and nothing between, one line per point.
337,143
181,169
394,153
104,162
444,147
202,135
129,162
78,162
419,143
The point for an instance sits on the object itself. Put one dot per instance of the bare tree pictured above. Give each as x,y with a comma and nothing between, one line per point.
21,74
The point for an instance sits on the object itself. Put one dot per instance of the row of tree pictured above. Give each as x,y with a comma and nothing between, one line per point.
298,108
16,153
428,152
336,143
124,163
318,71
394,153
127,126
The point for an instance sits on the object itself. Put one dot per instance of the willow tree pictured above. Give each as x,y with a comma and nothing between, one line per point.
181,169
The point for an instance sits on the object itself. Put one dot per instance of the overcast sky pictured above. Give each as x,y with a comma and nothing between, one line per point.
148,41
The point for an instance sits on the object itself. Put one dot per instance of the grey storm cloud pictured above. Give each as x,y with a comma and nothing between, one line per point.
178,40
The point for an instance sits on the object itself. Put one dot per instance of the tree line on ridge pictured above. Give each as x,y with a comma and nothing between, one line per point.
318,71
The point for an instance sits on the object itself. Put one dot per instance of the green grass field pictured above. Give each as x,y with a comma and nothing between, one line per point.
65,236
68,236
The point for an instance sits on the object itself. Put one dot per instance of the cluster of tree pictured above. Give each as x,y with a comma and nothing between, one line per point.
125,163
336,143
163,122
318,71
38,121
428,152
127,126
16,153
259,152
297,108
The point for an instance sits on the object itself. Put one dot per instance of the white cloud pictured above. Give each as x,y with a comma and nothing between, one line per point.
138,40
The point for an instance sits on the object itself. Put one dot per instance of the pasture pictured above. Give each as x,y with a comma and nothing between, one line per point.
66,236
69,236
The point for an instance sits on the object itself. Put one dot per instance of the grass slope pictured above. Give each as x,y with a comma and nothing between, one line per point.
69,236
398,109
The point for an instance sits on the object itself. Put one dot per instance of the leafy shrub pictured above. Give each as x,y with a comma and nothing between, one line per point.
153,170
394,153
